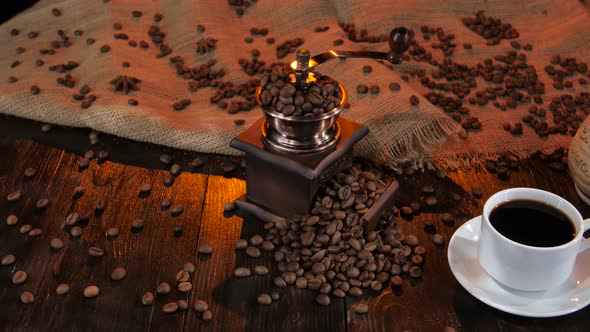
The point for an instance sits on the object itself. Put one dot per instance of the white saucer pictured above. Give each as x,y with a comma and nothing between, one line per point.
572,295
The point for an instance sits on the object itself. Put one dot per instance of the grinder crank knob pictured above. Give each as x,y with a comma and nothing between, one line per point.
400,40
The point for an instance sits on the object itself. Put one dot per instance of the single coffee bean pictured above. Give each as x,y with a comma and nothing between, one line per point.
56,243
137,224
207,315
438,239
182,276
361,308
477,193
184,286
260,270
355,291
200,306
322,299
91,292
448,218
56,12
145,187
83,163
264,299
256,240
411,240
168,181
147,298
177,210
242,272
76,231
415,272
253,252
175,169
42,203
35,232
414,100
8,259
72,219
46,127
118,273
35,90
95,252
396,281
14,196
24,229
62,289
394,86
170,307
27,297
163,288
431,201
19,277
205,249
30,172
105,48
182,305
11,220
241,244
406,211
189,267
113,232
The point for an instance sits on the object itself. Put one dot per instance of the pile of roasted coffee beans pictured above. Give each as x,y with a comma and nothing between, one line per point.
492,29
278,94
330,251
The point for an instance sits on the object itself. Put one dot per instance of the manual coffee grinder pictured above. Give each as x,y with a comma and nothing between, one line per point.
289,157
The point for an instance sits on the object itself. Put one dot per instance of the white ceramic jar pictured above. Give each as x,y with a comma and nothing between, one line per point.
579,161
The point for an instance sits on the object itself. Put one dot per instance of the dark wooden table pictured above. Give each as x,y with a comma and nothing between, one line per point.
156,253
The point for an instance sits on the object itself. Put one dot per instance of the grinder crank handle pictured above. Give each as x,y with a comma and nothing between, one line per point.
400,39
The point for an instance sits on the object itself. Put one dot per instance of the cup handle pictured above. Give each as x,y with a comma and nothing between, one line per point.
585,242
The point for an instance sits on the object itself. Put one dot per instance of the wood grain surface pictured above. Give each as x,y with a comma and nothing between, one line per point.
156,253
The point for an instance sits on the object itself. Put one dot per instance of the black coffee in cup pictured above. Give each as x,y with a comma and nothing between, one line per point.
532,223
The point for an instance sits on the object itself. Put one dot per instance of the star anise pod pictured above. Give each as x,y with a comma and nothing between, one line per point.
125,83
206,45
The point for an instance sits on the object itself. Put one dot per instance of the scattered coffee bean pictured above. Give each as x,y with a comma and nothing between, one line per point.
242,272
477,193
8,259
165,159
11,220
14,196
24,229
35,232
137,224
448,218
241,244
145,187
264,299
95,252
62,289
147,298
189,267
260,270
207,315
118,273
175,169
105,48
76,231
182,305
438,239
133,102
184,286
205,249
163,288
42,203
19,277
56,243
170,307
27,297
113,232
91,292
414,100
200,306
322,299
415,271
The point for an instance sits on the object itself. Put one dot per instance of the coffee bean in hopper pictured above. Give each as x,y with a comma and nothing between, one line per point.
182,276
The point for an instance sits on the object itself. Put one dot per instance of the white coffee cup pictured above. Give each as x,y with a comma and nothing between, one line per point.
524,267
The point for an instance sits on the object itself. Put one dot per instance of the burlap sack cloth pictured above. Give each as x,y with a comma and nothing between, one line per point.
398,132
